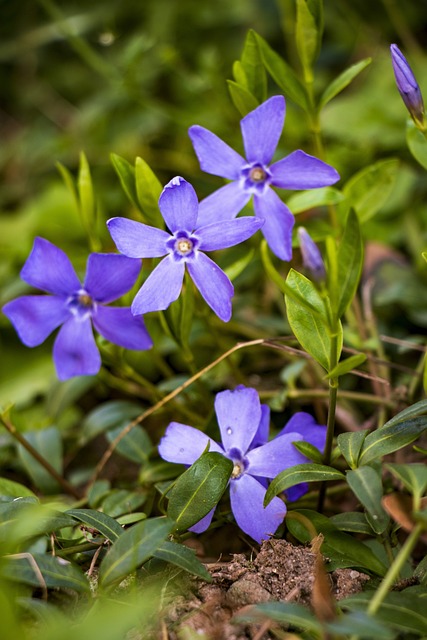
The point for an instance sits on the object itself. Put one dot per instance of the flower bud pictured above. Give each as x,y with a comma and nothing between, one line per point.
407,86
311,256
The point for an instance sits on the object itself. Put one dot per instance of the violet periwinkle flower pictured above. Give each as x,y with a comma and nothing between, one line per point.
311,256
407,85
244,424
76,306
183,247
253,176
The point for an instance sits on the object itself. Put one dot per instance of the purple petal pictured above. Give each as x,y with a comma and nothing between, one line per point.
137,240
302,171
215,156
35,317
306,425
278,224
110,275
274,456
179,205
213,284
239,414
262,128
183,444
228,233
247,498
162,287
261,436
204,523
294,493
118,325
48,268
223,204
74,351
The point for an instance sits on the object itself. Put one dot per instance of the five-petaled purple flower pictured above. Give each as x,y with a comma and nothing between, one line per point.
261,130
407,85
184,246
76,306
244,424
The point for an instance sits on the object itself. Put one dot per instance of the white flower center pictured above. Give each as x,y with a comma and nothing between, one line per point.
257,174
237,470
183,246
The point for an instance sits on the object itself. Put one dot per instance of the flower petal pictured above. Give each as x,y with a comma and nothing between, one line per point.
262,128
137,240
278,224
227,233
74,351
179,205
35,317
118,325
247,498
162,287
239,414
294,493
213,284
204,523
306,425
223,204
215,156
261,436
48,268
183,444
110,275
274,456
302,171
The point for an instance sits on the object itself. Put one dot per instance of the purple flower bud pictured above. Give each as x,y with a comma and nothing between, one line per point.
311,255
407,85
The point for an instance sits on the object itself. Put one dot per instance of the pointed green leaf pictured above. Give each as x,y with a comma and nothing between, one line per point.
242,98
342,81
414,411
55,572
401,610
352,521
366,484
148,189
347,365
126,173
412,475
369,189
350,263
417,143
86,194
240,74
120,501
306,472
106,525
321,197
199,489
350,445
256,77
69,183
133,548
182,557
308,33
309,451
136,445
390,438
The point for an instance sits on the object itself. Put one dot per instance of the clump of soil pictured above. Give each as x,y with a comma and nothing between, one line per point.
280,571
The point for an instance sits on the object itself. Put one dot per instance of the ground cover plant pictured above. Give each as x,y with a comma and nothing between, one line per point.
213,371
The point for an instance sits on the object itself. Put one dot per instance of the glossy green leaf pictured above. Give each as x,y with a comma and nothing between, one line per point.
308,33
350,263
342,81
352,521
126,173
287,613
309,451
120,501
412,475
106,525
366,484
239,74
183,557
48,444
135,445
108,415
300,473
369,189
390,438
56,572
242,98
15,489
414,411
251,61
133,548
199,489
350,445
283,75
417,143
148,190
306,200
347,365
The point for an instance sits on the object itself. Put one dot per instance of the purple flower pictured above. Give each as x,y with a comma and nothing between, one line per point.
76,306
184,246
311,256
407,85
243,423
261,130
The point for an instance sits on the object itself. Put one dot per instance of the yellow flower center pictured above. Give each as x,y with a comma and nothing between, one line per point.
257,174
237,471
183,246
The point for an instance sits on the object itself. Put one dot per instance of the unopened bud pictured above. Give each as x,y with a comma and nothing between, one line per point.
311,256
408,86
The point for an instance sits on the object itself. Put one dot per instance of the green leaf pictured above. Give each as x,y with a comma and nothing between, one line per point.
199,489
352,521
308,33
133,548
417,143
14,489
359,624
305,472
350,445
390,438
342,81
413,476
106,525
347,365
414,411
69,183
180,314
182,557
242,98
126,173
108,415
288,613
148,190
314,198
86,194
240,74
254,70
283,75
49,445
308,450
120,501
350,263
369,189
239,265
56,572
366,484
135,445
